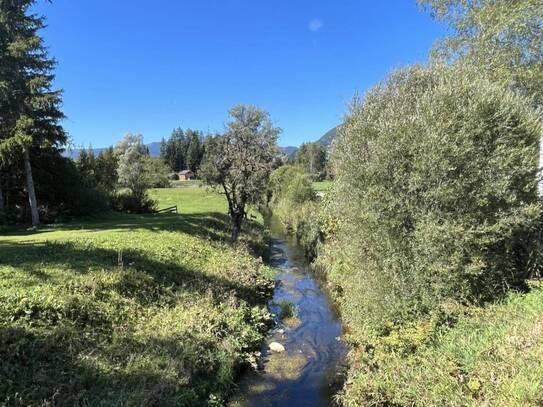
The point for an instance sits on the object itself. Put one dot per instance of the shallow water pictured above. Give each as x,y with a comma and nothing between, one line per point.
304,374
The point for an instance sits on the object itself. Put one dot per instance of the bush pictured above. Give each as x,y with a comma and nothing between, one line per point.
293,202
435,198
279,180
64,191
125,201
299,189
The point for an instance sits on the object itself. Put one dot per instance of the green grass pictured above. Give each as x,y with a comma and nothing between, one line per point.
322,186
491,357
184,183
131,309
196,200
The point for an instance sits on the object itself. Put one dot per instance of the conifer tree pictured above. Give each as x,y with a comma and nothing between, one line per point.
29,107
194,150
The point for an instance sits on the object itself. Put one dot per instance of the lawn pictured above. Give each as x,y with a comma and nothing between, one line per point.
131,309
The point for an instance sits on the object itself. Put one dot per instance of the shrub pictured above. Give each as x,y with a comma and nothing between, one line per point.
435,197
125,201
279,180
293,202
64,191
299,189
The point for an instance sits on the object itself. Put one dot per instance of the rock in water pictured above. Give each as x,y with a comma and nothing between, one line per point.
276,347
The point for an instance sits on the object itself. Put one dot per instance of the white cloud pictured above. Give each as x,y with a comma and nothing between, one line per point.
315,25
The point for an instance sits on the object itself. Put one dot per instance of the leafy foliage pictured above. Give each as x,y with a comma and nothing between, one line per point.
313,159
239,163
183,150
137,172
293,201
29,107
436,197
499,37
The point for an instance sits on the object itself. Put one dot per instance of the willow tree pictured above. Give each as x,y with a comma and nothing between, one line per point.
435,198
239,163
29,107
502,38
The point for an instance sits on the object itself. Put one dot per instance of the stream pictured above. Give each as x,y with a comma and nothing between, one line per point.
307,371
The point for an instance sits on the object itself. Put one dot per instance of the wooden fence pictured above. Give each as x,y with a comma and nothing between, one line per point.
171,209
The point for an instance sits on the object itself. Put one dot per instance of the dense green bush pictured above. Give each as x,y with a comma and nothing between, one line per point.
435,198
65,191
293,202
125,201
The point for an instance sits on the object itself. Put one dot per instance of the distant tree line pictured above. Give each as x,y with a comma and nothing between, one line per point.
184,150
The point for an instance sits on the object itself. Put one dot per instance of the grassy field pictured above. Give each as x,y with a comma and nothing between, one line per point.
322,186
492,356
131,309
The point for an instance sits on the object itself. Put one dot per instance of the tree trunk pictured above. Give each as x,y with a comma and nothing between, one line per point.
30,188
2,208
236,218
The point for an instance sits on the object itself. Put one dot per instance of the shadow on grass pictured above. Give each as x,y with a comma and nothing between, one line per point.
213,226
47,359
38,367
207,224
72,259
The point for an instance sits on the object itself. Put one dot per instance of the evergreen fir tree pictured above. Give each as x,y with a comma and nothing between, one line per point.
29,107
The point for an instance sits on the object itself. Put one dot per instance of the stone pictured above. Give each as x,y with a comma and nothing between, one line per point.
276,347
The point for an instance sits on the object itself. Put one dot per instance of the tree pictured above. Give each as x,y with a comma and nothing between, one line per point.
500,37
86,163
239,163
29,108
194,150
157,171
312,157
106,169
178,146
133,167
164,150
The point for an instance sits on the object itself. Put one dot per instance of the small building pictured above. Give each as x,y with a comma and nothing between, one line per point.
185,175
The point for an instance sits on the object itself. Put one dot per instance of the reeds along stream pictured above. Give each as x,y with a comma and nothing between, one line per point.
308,328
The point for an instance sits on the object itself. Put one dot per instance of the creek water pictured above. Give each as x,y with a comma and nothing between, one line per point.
307,371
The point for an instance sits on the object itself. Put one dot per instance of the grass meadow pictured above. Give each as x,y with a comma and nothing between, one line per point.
131,309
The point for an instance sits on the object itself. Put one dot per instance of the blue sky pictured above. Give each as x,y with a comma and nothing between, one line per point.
148,67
